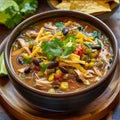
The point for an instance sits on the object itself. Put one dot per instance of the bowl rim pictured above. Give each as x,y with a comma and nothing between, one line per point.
11,38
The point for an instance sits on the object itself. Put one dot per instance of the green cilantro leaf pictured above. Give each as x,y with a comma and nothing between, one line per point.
69,46
27,61
59,25
70,41
96,34
80,28
43,67
53,48
58,48
13,12
67,51
87,44
99,43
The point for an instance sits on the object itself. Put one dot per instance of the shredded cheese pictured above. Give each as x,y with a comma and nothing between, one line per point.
81,35
44,38
34,52
68,23
39,34
55,35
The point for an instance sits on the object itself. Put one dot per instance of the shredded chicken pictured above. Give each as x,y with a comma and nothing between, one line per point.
89,74
42,84
24,45
81,76
97,71
21,70
31,33
50,26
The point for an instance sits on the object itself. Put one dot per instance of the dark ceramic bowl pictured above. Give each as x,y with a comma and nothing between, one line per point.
67,101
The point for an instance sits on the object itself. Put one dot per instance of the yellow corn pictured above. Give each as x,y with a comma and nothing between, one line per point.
58,71
64,85
51,77
51,90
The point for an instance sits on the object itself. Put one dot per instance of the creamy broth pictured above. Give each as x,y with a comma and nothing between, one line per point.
60,55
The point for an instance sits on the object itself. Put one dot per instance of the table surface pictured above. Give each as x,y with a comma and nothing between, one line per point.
113,22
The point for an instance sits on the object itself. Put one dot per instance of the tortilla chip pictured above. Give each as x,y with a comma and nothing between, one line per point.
64,5
90,6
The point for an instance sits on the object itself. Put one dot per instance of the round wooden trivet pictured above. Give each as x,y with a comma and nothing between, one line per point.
22,110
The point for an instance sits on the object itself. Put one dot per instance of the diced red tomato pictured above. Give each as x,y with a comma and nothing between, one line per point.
57,76
80,52
37,68
62,38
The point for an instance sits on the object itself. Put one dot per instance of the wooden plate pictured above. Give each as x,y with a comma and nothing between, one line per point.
23,110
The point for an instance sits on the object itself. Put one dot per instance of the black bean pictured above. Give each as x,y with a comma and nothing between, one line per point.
20,60
96,47
63,69
27,70
108,67
55,84
110,60
65,31
36,61
53,64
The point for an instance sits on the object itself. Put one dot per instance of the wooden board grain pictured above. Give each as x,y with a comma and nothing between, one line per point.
23,110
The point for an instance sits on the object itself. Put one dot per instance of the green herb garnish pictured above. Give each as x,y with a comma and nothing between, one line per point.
13,12
27,61
43,67
96,34
87,44
59,25
58,48
53,48
80,28
99,43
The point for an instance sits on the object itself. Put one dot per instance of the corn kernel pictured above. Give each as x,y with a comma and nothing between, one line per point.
86,64
93,59
51,77
91,64
51,90
58,71
64,85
